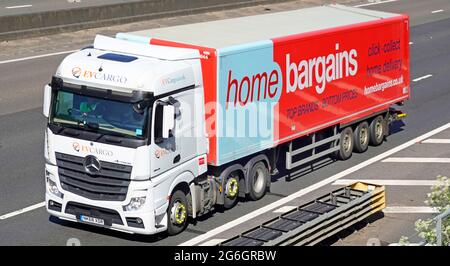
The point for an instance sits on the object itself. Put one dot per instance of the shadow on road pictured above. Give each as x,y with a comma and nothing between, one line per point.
107,232
352,229
396,126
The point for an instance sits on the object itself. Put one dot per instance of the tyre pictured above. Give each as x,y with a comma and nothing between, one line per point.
361,137
177,213
231,190
377,131
345,144
258,177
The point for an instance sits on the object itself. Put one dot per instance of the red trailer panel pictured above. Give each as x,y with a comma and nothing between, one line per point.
340,75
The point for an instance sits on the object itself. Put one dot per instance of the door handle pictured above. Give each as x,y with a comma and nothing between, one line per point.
177,159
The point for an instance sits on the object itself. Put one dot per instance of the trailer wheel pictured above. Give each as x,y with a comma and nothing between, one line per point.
231,190
376,131
361,137
345,144
258,180
177,213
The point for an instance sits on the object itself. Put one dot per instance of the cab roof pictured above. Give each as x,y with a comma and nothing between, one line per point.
126,66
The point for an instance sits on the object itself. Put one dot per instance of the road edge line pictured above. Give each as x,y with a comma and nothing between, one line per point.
24,210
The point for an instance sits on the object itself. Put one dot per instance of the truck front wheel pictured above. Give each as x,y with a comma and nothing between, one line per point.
231,191
258,180
177,213
345,144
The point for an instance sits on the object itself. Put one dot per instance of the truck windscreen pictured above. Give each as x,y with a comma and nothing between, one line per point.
100,115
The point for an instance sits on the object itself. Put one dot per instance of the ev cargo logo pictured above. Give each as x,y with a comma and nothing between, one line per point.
91,149
76,146
78,72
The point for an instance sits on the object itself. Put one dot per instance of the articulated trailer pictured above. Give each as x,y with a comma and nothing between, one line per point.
152,127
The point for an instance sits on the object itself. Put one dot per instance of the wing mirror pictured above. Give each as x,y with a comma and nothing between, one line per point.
168,120
47,100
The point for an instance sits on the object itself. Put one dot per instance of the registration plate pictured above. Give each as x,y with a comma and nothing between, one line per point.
92,220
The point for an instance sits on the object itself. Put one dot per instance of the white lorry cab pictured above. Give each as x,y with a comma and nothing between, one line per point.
124,142
148,129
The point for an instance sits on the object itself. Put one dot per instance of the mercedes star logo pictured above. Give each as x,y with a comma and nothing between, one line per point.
92,164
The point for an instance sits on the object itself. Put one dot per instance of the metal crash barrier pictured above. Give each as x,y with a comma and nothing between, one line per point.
311,223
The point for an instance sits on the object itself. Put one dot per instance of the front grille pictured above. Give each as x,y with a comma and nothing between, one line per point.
109,216
109,184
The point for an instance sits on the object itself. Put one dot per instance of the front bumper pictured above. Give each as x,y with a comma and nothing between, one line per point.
70,206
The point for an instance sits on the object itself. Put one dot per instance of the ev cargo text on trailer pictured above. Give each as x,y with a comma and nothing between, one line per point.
149,128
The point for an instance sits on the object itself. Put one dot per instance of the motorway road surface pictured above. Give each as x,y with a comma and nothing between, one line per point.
22,127
19,7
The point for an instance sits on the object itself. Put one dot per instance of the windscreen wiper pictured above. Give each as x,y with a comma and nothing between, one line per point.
90,125
109,136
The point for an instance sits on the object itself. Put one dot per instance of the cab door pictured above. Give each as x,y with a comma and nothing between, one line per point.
165,150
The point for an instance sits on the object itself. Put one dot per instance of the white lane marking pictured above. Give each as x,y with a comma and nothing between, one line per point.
411,43
311,188
404,209
35,57
416,160
15,7
423,77
284,209
388,182
213,242
437,141
376,3
24,210
437,11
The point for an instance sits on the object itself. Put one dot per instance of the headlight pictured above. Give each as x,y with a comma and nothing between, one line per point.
51,185
135,204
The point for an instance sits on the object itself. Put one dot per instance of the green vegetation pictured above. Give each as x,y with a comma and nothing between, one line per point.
439,198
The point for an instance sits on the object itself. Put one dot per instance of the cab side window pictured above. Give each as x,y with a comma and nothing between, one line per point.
158,123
